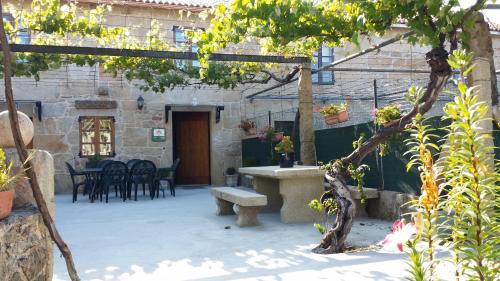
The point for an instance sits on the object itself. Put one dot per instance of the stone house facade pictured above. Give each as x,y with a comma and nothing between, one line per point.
69,95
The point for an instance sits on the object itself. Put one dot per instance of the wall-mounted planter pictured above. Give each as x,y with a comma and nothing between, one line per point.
341,116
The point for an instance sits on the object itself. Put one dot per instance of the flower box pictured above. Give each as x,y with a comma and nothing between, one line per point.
341,116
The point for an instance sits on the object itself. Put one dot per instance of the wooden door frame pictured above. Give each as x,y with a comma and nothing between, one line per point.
209,118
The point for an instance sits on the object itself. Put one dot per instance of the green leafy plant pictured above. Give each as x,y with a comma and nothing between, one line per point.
471,176
8,179
94,159
230,171
386,114
330,206
284,146
427,205
416,264
357,173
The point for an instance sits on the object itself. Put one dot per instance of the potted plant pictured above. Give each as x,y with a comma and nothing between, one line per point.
334,113
231,177
269,135
248,127
285,150
93,160
387,115
7,183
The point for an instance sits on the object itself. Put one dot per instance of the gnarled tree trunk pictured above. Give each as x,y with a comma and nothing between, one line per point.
335,238
23,156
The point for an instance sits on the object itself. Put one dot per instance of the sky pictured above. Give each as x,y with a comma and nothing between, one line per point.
492,15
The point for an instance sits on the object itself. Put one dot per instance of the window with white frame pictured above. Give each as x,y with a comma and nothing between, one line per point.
323,56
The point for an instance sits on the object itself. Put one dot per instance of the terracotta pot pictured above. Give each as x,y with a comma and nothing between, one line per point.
6,200
341,116
251,132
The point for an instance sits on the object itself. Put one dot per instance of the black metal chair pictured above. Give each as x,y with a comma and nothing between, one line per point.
168,175
103,163
114,173
131,163
74,179
142,172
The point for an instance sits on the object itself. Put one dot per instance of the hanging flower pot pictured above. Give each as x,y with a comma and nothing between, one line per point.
334,113
287,159
251,131
339,117
6,201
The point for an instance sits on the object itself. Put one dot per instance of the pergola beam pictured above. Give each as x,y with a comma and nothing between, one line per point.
73,50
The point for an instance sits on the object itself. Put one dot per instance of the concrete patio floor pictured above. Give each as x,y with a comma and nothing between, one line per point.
181,238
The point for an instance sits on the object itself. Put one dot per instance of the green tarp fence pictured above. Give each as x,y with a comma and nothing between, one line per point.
337,142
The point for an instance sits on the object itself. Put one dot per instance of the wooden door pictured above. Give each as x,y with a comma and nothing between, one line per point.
191,141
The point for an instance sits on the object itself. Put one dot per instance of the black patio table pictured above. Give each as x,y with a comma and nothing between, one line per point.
92,175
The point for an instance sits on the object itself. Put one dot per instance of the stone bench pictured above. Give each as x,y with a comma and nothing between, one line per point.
370,193
246,204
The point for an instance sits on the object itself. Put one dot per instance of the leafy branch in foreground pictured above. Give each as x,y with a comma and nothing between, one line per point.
461,212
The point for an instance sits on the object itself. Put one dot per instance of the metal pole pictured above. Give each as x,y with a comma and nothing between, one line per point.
378,158
269,117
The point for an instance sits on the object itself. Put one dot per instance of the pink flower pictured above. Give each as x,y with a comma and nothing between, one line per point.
316,108
277,137
374,112
401,232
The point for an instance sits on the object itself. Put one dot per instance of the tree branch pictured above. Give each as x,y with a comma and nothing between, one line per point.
23,156
440,73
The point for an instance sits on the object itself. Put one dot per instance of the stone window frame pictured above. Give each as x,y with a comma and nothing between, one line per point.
22,30
96,142
317,78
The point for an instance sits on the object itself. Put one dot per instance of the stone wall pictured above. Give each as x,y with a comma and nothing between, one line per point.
25,247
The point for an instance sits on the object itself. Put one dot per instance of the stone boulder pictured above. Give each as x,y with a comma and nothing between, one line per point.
25,247
25,125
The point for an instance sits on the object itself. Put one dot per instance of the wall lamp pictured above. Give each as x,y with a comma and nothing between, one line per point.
140,103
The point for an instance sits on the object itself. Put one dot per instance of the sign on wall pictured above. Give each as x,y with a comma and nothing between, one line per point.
158,135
